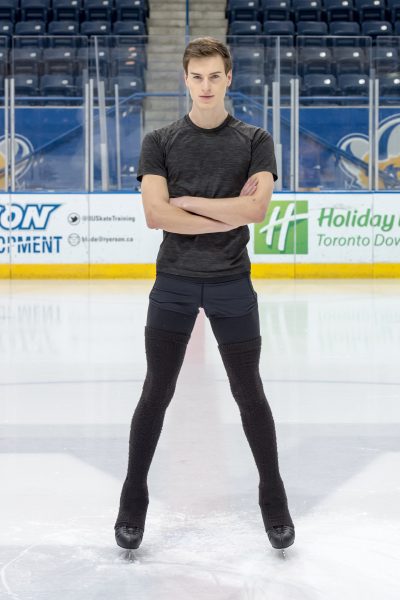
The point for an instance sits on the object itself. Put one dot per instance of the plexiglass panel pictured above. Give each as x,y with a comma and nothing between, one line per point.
335,140
48,101
386,57
4,160
4,69
138,87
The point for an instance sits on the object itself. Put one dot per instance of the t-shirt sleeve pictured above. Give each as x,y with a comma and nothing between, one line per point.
151,160
263,154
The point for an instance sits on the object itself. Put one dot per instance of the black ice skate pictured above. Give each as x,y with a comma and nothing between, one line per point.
128,537
281,537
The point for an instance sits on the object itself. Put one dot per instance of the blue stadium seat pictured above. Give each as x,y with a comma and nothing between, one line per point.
30,28
244,32
287,59
130,10
350,30
6,28
27,60
350,60
128,53
8,10
354,84
34,10
374,28
59,60
371,10
128,67
127,85
63,28
314,60
397,28
312,28
249,84
307,10
245,28
125,60
276,10
339,10
385,59
318,84
278,28
389,88
242,10
98,10
248,58
31,33
311,33
94,58
95,28
57,85
394,10
287,55
26,85
66,10
129,28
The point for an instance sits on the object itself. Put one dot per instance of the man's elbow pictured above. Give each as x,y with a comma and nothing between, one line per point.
262,211
150,220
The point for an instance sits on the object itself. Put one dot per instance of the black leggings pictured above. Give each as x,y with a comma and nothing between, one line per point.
232,309
231,306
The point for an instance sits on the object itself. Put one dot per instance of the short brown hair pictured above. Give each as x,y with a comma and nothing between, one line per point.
207,46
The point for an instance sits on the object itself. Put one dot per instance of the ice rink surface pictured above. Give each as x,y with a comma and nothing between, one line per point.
72,370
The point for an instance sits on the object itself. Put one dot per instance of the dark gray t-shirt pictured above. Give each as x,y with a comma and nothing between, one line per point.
211,163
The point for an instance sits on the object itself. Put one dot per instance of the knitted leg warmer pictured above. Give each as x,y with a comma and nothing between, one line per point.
241,361
165,351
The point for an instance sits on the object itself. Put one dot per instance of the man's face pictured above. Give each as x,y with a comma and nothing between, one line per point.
207,81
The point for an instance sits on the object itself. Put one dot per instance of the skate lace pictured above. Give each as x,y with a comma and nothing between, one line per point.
131,528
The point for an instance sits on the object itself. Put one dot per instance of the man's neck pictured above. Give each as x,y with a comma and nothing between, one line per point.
207,120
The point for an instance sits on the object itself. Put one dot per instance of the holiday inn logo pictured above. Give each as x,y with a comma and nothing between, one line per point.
284,229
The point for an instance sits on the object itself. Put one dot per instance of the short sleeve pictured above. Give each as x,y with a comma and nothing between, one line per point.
151,160
263,154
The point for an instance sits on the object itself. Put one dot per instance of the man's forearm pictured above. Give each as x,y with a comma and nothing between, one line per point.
237,211
177,220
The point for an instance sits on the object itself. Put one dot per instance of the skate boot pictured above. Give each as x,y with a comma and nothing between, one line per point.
128,537
281,536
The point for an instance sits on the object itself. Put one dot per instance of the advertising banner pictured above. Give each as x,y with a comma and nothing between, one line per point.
110,229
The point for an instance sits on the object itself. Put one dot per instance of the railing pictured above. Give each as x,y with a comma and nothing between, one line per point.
89,139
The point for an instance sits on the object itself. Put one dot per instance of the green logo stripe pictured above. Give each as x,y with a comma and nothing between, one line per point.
284,229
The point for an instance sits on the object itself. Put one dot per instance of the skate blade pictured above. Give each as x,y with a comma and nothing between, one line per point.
129,556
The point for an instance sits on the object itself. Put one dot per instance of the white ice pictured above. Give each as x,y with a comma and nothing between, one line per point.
71,372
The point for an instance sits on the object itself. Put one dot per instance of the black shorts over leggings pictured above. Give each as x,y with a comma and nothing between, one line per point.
231,306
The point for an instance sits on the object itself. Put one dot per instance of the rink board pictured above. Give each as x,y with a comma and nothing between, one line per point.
104,235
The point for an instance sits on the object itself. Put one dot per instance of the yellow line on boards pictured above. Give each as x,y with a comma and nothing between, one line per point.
148,271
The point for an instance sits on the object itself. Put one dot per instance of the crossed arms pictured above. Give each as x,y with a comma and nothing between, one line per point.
192,215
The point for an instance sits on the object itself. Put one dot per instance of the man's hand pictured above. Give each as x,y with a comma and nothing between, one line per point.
249,187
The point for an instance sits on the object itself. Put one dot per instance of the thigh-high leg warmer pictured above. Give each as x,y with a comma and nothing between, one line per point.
165,351
241,361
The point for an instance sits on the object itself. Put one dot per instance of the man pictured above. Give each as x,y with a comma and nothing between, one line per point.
204,177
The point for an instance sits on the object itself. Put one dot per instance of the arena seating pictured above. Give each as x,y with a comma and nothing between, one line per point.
329,45
46,43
